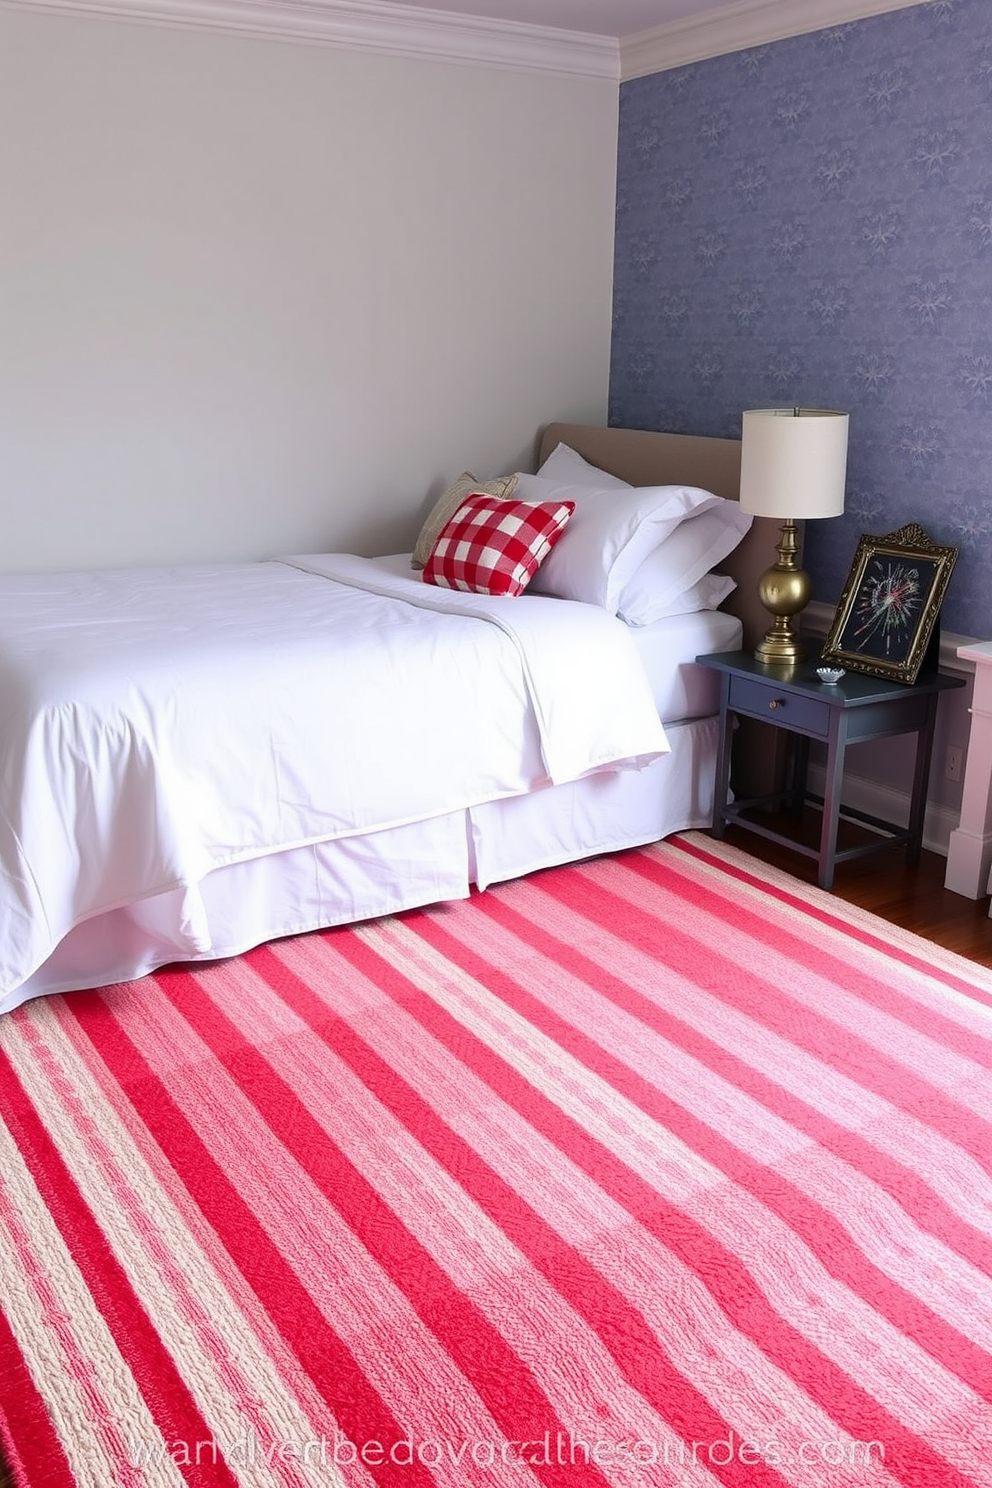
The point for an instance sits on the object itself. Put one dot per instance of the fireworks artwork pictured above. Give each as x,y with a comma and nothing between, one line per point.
890,601
887,622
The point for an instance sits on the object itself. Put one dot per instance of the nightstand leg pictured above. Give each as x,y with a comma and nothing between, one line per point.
921,778
798,771
721,787
836,746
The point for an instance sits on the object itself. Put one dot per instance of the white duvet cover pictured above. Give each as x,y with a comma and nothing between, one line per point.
157,724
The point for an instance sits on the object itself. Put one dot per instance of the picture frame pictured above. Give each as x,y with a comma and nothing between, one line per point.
890,605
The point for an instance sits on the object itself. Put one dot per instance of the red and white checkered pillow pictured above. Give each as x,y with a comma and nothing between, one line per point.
494,546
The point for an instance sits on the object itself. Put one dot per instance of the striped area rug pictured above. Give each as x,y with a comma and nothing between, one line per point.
646,1171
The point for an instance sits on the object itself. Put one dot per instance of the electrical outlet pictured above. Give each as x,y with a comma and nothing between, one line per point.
952,766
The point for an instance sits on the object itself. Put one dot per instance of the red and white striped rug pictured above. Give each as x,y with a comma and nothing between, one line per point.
646,1171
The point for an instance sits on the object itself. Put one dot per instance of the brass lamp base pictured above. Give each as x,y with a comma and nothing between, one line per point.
784,590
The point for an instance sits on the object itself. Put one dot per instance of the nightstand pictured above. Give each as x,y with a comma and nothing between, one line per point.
856,708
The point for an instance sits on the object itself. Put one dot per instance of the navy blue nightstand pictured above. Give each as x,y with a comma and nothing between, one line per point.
856,708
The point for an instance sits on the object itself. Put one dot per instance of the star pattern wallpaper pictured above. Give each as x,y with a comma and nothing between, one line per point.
810,222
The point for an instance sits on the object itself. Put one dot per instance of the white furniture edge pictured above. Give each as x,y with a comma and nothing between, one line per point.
969,856
414,31
941,830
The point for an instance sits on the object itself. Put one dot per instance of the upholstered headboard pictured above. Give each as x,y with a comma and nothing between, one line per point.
648,459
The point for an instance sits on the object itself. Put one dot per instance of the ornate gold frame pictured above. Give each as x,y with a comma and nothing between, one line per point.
890,604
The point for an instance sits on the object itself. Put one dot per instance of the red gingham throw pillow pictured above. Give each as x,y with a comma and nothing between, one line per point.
494,546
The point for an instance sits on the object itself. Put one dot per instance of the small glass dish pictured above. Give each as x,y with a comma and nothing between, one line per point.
830,675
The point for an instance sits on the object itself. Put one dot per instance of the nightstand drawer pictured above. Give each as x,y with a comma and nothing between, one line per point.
761,699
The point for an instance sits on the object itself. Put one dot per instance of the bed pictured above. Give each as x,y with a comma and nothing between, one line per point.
169,737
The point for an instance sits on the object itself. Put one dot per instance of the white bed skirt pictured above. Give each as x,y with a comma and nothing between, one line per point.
359,878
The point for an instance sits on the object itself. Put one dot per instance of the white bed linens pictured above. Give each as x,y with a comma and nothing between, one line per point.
666,648
159,724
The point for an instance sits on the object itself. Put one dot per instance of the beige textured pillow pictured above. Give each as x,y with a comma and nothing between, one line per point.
446,506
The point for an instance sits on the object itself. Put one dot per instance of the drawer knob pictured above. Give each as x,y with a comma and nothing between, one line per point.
776,703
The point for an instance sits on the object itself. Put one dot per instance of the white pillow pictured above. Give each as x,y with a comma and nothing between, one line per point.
707,594
610,535
564,463
680,561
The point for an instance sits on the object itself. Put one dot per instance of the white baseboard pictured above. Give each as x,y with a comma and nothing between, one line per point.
891,805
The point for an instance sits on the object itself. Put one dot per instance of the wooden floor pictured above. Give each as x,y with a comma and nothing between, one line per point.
914,898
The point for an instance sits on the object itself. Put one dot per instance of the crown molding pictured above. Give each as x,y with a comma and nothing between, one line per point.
370,26
748,23
444,36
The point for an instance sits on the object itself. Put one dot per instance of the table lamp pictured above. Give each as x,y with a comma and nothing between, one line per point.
793,466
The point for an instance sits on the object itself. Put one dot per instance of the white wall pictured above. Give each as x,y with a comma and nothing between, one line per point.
259,298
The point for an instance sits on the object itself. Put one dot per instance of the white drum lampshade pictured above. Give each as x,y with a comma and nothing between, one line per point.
793,467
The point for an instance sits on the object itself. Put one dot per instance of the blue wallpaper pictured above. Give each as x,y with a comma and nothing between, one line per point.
811,222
